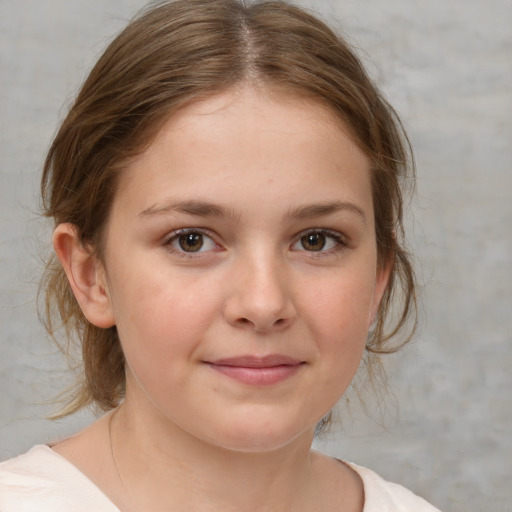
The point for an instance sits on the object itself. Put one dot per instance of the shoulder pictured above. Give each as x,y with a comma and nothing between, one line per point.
384,496
41,480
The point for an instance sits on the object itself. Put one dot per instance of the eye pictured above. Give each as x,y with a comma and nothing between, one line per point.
190,241
319,241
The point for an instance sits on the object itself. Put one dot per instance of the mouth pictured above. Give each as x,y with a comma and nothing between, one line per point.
258,371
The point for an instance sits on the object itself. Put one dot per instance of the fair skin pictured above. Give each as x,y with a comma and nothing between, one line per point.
240,269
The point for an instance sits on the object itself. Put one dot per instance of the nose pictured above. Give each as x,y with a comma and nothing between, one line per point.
261,295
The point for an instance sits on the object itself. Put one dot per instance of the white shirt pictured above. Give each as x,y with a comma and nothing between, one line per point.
43,481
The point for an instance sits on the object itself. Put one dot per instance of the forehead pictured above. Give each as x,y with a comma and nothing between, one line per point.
260,141
266,108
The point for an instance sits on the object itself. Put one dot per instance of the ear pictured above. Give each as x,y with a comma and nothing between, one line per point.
85,274
381,283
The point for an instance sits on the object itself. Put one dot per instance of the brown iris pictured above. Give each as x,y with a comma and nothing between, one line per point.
313,241
191,242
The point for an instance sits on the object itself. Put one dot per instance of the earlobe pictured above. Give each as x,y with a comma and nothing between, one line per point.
85,274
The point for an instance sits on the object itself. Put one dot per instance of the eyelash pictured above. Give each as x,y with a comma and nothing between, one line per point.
340,241
175,235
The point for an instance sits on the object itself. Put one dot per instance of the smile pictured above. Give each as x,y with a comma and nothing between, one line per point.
257,371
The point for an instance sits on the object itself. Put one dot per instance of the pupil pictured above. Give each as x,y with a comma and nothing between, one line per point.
313,241
191,242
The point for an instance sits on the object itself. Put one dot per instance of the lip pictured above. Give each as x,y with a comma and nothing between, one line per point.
257,371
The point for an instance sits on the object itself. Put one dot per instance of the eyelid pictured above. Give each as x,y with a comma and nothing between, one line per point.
342,241
176,233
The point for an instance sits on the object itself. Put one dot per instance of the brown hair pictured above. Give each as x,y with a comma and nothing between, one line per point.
173,54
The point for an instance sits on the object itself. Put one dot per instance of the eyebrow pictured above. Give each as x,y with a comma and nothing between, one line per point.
207,209
327,208
191,207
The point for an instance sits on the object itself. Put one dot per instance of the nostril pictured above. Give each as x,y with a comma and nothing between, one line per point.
243,321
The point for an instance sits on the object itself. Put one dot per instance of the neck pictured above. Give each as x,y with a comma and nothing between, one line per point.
173,470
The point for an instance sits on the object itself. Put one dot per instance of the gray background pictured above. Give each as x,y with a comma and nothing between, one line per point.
444,426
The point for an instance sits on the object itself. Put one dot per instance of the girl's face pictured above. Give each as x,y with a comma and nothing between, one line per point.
241,269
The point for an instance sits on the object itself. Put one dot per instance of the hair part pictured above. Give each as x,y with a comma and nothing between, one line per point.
179,52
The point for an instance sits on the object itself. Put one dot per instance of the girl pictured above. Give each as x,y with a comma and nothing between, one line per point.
226,193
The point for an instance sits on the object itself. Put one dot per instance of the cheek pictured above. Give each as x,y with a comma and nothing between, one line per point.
161,327
341,308
339,321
